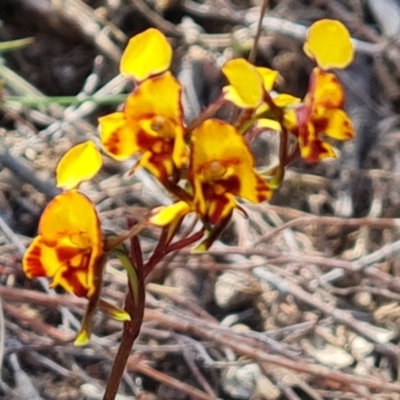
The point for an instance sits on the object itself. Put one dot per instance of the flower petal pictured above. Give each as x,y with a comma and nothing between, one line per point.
147,54
318,150
155,111
218,140
73,212
218,144
329,44
160,95
117,136
114,312
78,164
268,76
339,125
245,88
285,100
40,260
166,215
266,123
70,225
75,281
160,165
326,90
220,207
312,148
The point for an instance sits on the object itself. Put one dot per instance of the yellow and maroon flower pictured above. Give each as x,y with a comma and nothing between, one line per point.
221,168
150,124
322,113
69,247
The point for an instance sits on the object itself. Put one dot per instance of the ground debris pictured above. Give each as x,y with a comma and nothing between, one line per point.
300,300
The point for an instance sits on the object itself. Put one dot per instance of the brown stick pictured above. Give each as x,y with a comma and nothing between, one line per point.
194,393
257,354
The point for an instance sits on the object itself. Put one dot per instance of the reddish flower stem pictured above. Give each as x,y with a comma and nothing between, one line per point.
158,253
209,112
161,252
131,328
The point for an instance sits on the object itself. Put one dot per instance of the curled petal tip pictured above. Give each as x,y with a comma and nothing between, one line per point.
122,316
82,338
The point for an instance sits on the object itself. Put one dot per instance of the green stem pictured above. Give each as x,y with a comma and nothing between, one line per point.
12,45
64,100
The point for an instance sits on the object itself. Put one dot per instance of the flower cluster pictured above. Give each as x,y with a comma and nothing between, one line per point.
206,165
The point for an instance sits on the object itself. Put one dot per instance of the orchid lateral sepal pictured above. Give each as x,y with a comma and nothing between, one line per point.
83,336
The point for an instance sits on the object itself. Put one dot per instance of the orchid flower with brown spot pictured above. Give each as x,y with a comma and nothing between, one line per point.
69,246
151,122
151,125
221,169
322,113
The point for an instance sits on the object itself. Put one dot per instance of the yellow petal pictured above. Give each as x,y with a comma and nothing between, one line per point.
265,123
118,136
329,44
166,215
40,260
180,152
216,140
72,212
327,90
268,76
147,54
339,125
78,164
216,143
290,119
114,312
160,95
313,149
69,247
82,338
245,88
285,100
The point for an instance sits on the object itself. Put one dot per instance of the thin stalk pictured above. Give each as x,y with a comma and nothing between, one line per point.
64,100
163,251
135,308
209,112
253,52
